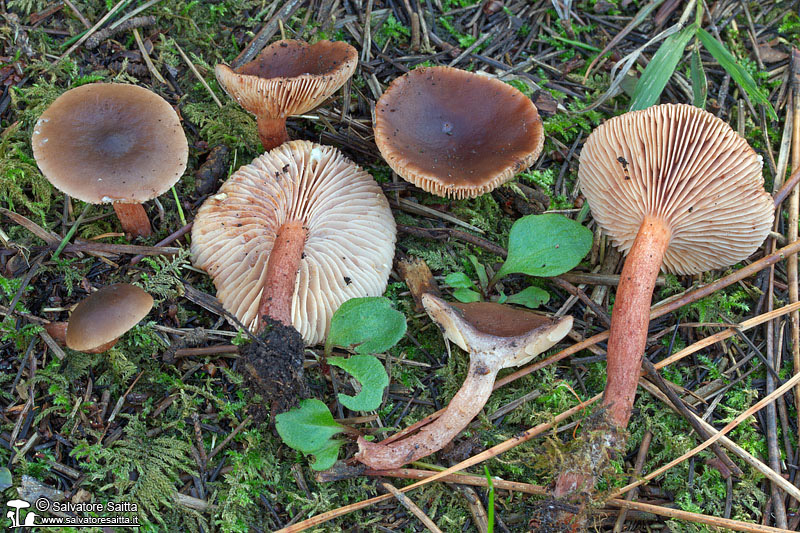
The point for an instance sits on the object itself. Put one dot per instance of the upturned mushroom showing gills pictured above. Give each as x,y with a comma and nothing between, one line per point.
293,235
676,189
112,143
287,240
287,78
104,316
495,336
454,133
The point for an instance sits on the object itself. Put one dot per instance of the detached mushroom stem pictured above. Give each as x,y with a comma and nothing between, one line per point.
272,132
631,318
282,266
133,219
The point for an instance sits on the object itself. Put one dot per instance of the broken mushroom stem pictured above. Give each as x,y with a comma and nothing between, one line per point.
282,266
631,317
272,132
496,337
134,219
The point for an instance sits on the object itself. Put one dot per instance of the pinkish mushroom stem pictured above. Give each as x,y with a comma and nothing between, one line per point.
282,266
631,317
272,132
626,345
134,219
465,405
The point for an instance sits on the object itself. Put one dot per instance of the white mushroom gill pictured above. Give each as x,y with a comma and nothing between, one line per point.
351,233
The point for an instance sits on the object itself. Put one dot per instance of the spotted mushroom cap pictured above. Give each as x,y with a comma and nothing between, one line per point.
351,233
289,77
110,142
105,315
454,133
687,167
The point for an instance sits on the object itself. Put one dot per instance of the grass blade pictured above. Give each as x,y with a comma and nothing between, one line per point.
737,72
660,69
490,502
699,81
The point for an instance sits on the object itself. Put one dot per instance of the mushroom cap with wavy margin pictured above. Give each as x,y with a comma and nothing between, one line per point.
687,167
289,77
454,133
351,233
512,335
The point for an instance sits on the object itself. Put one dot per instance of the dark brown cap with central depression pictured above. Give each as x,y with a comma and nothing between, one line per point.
454,133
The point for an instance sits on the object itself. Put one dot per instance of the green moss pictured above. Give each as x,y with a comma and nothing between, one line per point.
392,29
229,125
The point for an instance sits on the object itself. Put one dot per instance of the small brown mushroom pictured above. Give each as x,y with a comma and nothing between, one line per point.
495,336
454,133
104,316
112,143
287,78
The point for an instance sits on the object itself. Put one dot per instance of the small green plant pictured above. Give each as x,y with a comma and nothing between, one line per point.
538,245
392,29
158,461
165,282
365,325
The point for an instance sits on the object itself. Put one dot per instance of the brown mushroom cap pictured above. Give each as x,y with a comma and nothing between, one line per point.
289,77
514,335
687,167
109,142
454,133
106,315
351,233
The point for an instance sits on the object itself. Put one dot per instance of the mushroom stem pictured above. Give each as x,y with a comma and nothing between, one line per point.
282,266
58,331
272,132
631,317
133,219
465,405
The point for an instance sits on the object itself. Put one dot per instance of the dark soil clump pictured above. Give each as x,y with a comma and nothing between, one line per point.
273,369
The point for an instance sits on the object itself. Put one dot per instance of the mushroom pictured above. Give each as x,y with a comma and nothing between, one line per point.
287,78
293,235
104,316
112,143
454,133
496,337
676,189
287,240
